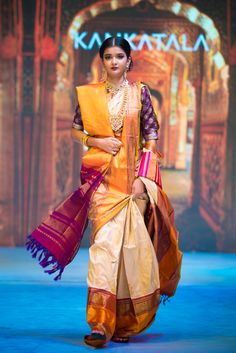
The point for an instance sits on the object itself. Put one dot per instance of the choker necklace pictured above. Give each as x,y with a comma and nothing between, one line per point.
111,88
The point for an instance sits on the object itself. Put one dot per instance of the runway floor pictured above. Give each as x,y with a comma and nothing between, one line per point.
39,315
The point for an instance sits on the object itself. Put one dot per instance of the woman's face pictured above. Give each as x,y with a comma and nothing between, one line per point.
115,62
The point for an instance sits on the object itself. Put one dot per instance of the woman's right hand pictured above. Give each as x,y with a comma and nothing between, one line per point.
109,144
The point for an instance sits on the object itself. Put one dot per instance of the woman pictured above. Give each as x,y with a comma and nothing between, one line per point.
134,256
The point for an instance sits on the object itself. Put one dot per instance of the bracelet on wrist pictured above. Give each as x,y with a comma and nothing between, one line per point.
85,139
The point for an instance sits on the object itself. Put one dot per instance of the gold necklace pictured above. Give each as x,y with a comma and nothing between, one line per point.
121,92
111,88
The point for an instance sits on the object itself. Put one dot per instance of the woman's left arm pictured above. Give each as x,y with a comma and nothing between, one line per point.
148,165
148,120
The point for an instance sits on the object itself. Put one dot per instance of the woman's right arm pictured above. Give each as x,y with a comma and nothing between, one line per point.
81,137
108,144
77,131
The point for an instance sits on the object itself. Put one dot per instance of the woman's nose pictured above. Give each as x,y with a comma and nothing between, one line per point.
114,60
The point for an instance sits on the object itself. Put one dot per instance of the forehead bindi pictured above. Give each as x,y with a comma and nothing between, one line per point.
114,51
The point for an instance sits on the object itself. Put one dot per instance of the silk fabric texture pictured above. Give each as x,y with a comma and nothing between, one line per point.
57,239
123,276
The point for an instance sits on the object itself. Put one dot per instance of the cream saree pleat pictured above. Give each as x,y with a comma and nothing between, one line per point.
123,276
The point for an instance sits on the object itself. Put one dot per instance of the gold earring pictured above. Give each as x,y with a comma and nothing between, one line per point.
104,75
125,73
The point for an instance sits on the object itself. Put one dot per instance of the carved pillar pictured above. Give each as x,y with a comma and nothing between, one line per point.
229,240
180,162
11,201
47,34
194,198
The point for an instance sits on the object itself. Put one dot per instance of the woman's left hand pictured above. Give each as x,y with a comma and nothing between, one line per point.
138,187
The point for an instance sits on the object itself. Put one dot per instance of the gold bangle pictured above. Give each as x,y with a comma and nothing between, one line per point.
84,139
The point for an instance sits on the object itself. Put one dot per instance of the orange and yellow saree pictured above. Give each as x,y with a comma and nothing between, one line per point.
134,255
124,274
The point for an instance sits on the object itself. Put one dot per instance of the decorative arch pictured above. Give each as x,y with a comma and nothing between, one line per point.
209,124
190,12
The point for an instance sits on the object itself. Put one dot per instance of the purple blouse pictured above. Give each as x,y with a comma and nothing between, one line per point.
149,122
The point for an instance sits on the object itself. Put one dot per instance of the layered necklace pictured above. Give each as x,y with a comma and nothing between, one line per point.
117,98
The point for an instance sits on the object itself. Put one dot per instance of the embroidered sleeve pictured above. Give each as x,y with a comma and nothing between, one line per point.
147,165
81,135
148,117
77,122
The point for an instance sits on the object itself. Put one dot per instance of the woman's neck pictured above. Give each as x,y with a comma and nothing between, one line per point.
116,81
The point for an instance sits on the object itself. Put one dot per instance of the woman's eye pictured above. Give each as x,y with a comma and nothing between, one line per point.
109,57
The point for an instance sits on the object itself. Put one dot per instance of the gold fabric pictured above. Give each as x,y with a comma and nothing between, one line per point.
130,264
123,275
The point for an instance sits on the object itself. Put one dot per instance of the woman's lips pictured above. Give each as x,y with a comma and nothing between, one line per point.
114,68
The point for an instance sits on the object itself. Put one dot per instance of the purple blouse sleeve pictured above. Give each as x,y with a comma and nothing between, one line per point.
148,118
77,122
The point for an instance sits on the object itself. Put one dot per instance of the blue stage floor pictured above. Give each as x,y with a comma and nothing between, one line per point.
39,315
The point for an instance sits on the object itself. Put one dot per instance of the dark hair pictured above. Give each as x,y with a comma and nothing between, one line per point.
117,42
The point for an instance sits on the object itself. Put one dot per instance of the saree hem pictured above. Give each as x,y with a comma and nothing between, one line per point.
118,317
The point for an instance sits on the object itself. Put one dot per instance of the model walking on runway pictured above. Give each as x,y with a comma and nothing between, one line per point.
134,260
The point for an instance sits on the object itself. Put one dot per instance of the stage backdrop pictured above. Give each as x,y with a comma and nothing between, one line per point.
184,51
